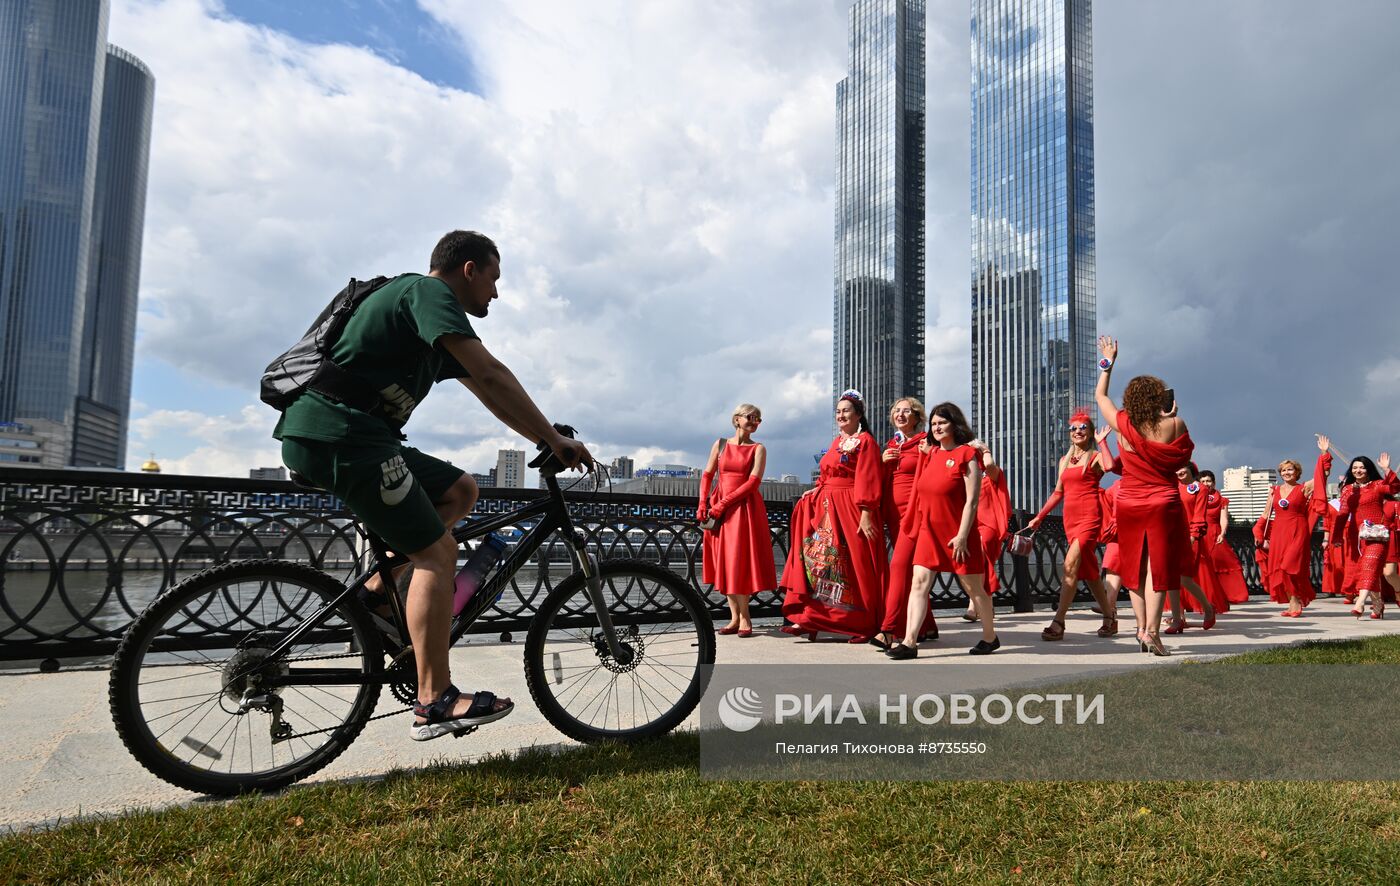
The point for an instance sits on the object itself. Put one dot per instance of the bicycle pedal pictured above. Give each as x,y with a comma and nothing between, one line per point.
465,731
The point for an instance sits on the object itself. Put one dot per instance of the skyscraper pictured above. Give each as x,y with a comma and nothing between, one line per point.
1033,305
879,257
69,225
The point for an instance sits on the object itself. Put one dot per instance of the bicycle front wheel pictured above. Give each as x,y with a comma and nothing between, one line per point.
199,698
586,693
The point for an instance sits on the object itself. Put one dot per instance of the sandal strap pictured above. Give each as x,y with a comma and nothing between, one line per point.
482,703
438,710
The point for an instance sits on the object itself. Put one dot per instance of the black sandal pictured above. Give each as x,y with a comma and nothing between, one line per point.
438,721
881,644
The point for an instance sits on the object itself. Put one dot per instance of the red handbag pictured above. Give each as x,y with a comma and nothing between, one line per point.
1021,545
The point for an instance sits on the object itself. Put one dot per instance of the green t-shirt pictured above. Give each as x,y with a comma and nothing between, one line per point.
391,342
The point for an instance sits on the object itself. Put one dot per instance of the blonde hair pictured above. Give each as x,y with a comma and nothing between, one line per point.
744,409
920,414
1290,463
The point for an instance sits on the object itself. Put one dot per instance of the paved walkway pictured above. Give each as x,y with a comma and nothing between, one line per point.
61,758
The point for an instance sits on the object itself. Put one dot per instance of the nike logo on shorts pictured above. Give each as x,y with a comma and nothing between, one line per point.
396,481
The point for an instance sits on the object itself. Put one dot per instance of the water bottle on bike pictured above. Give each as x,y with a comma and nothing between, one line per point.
473,572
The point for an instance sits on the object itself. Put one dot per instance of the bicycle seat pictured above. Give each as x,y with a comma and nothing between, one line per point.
300,480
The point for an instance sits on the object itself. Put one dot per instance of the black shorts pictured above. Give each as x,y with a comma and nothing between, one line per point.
391,489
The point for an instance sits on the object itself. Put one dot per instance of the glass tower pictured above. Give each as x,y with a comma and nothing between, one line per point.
1033,305
118,219
70,225
879,255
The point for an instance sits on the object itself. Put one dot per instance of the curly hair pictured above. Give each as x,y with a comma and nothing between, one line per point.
916,407
1142,400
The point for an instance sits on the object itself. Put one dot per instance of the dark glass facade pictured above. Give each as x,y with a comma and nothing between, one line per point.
114,275
70,226
1033,304
879,251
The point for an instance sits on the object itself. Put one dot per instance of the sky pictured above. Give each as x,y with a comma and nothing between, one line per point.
659,178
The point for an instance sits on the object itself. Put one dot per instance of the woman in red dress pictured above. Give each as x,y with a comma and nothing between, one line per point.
993,522
845,504
1338,554
1080,470
943,519
1363,506
1283,532
738,553
1153,544
1223,560
900,459
1203,593
1392,558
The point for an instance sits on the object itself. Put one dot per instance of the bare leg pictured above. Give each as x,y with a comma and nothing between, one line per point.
918,605
740,608
1069,582
733,602
1153,600
986,612
456,504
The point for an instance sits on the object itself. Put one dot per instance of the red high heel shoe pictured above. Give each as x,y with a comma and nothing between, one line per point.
1176,627
799,631
728,629
1209,621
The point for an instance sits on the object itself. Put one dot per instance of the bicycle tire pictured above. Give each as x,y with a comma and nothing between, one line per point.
193,603
693,616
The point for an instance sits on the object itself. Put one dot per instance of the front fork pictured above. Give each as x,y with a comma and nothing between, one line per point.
593,587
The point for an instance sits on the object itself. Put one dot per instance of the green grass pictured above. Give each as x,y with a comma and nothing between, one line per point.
643,814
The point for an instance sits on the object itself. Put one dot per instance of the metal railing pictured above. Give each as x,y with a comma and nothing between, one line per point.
83,552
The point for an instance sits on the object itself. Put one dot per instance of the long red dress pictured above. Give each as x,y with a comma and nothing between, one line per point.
1339,559
1111,561
1286,525
1228,571
1151,519
993,521
738,555
850,482
935,515
1199,567
1362,505
898,490
1083,515
1392,521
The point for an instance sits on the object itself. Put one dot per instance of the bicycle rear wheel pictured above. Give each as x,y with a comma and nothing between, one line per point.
589,695
187,688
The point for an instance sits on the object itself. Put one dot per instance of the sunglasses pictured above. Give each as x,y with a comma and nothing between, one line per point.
1079,427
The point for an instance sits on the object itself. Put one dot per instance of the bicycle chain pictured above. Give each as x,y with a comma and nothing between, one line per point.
338,725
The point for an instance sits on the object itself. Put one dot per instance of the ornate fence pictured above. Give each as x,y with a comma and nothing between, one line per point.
82,552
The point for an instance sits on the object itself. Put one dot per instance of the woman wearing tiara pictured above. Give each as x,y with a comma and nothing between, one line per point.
900,459
738,552
837,563
1079,473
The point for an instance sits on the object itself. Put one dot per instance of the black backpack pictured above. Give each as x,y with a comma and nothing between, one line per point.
307,365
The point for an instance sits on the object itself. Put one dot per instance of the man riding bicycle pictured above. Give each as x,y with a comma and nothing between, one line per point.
404,337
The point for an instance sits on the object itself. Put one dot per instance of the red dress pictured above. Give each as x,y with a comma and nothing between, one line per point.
898,490
849,483
935,516
1199,567
1109,499
1226,565
1363,505
1392,520
993,520
1083,516
1339,559
1286,525
738,556
1151,520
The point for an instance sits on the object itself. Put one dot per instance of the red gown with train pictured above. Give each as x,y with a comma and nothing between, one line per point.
1151,520
898,490
850,482
1228,571
738,555
1199,567
1283,536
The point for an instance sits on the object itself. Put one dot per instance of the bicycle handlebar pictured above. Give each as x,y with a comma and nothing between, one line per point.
547,461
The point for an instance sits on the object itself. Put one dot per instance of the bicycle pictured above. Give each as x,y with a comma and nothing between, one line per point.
254,674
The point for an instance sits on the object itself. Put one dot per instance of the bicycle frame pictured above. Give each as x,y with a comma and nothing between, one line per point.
553,512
